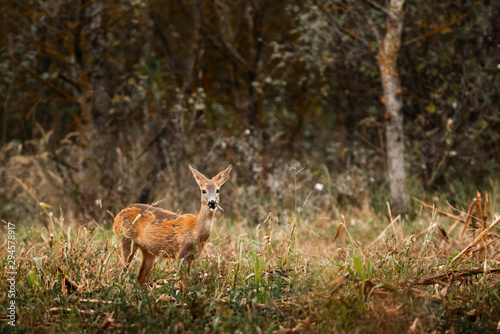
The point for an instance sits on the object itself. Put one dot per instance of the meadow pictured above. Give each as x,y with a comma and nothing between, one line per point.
367,271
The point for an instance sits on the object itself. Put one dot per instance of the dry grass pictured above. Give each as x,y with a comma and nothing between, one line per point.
281,278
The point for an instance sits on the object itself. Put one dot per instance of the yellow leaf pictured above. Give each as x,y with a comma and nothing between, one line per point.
45,205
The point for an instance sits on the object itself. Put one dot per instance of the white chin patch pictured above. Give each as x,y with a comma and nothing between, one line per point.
213,209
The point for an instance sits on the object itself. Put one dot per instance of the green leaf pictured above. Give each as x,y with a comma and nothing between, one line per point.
39,265
31,277
349,270
369,270
431,108
358,266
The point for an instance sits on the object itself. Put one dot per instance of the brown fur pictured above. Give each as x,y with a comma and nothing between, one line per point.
158,232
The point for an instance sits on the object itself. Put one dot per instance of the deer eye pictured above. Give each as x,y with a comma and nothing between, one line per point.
218,191
204,191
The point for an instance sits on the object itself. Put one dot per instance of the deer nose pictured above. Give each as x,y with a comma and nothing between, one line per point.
212,204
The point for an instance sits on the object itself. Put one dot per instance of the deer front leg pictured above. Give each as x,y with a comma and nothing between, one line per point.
148,260
185,257
127,253
186,254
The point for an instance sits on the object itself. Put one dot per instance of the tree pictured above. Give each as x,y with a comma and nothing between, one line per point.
387,59
362,21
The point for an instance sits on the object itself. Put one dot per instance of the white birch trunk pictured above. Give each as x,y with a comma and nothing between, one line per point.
387,58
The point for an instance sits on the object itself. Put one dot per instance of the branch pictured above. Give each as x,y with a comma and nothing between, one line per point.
374,29
236,55
449,215
381,8
224,47
476,240
381,288
332,21
39,78
452,275
71,82
436,30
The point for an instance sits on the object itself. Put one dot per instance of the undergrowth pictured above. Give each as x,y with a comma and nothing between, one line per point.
273,278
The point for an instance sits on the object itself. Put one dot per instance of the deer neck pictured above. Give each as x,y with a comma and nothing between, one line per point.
204,224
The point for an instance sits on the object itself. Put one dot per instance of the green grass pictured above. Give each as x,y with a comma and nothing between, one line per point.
287,278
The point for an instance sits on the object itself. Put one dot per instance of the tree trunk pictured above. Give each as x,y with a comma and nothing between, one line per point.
91,57
387,57
194,53
96,136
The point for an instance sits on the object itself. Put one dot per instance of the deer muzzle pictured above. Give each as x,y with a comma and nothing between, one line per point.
212,205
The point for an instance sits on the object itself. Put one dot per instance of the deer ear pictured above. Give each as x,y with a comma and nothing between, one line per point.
221,178
200,178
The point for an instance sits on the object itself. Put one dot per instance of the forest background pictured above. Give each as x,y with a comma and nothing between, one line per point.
105,103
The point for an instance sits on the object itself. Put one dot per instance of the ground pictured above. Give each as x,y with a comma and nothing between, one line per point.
296,277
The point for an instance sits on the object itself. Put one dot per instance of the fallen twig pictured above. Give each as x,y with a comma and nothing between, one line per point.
452,275
444,213
477,239
381,289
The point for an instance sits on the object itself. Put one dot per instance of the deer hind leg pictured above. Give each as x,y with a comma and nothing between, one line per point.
148,260
128,252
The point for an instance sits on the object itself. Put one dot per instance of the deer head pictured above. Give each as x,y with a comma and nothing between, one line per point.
210,188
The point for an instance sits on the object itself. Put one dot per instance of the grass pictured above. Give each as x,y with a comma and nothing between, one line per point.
270,278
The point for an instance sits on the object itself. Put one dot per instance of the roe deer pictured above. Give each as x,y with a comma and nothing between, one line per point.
160,232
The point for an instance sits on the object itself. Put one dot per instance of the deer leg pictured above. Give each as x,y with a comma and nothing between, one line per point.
127,252
148,260
186,254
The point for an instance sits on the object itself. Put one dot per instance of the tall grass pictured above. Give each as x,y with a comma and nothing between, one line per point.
282,273
281,276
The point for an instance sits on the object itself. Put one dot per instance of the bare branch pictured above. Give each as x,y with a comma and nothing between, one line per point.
436,30
71,82
58,91
331,19
476,240
381,8
236,55
449,215
453,275
374,29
